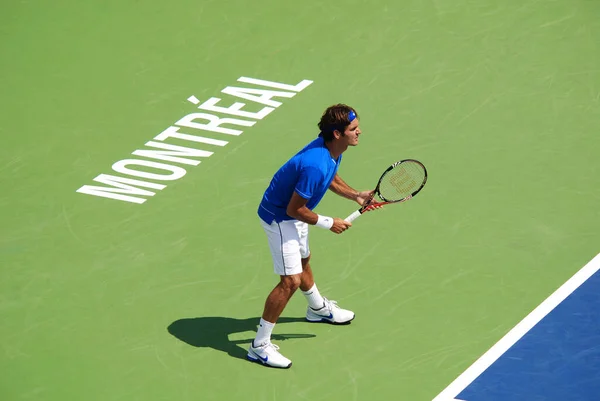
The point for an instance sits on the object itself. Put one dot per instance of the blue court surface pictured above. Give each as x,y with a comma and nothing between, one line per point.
552,355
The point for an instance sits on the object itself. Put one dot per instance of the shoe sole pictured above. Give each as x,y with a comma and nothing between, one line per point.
260,362
324,320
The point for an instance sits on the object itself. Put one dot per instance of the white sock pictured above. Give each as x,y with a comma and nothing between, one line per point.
314,298
263,335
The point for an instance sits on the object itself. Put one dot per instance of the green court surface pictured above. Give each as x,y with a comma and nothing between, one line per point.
102,299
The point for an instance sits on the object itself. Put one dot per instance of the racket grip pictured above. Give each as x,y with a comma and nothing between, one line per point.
352,217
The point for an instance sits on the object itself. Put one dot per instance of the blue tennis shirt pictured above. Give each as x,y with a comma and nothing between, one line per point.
309,173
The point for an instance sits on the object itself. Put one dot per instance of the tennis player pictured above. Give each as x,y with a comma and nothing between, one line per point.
286,211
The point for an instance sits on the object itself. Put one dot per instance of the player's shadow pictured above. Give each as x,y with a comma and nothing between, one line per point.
213,332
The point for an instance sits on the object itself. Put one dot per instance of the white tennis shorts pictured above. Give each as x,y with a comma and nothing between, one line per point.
288,241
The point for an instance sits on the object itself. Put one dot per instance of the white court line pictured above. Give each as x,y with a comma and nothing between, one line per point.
487,359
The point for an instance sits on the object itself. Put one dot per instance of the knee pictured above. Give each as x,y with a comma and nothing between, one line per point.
291,283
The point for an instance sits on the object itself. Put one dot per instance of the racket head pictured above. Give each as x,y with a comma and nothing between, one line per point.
401,181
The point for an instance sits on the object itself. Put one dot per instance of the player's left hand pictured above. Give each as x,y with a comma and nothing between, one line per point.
365,198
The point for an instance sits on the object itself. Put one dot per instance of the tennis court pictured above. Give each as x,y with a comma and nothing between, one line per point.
157,297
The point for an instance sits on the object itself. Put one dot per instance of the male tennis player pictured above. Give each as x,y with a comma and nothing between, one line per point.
286,212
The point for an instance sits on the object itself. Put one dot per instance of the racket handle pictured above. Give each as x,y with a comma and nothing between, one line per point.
352,217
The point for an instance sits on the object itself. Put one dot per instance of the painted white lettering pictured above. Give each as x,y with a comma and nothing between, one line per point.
135,191
234,109
120,186
214,124
176,172
264,98
172,132
296,88
171,153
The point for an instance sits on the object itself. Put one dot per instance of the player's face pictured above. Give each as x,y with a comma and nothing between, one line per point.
352,132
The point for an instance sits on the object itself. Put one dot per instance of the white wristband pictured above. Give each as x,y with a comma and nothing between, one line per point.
324,222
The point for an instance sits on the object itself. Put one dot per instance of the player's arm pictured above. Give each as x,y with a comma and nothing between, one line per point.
340,187
297,209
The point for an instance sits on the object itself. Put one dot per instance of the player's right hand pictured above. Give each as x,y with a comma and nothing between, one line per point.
340,225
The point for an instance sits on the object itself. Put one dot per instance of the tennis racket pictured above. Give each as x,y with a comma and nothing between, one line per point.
399,183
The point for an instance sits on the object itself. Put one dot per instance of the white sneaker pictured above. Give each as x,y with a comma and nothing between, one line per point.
268,354
329,313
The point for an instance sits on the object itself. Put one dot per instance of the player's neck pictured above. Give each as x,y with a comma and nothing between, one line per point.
335,148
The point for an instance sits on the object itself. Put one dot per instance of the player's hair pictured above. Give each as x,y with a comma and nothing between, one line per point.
336,117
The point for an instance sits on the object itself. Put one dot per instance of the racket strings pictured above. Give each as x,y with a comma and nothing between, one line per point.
401,181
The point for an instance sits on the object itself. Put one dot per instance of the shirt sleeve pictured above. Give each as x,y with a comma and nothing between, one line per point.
308,182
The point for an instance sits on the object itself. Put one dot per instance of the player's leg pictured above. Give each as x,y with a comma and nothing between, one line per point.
280,296
308,287
285,250
319,309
